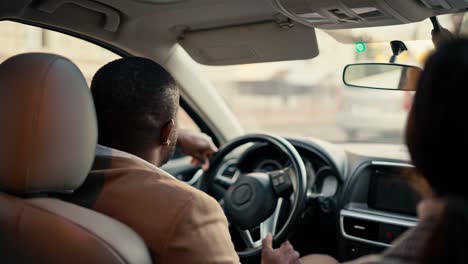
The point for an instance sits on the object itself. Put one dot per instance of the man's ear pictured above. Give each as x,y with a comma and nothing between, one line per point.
166,132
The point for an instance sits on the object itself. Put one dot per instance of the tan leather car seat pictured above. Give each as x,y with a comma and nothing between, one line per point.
48,136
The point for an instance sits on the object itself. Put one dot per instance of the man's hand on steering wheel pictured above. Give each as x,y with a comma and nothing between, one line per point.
197,145
285,254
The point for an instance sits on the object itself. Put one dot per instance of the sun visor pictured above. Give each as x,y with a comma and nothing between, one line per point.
253,43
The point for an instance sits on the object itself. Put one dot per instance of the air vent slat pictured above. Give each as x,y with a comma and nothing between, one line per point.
361,228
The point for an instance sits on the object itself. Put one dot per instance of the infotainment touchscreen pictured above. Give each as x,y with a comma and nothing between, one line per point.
390,191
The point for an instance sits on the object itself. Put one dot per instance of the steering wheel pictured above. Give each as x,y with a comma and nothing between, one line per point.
255,199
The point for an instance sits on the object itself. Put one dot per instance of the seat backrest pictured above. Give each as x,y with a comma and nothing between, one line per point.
48,136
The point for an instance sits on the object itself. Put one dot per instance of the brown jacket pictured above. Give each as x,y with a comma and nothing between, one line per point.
180,224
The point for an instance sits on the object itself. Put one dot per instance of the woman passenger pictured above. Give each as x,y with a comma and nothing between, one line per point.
437,140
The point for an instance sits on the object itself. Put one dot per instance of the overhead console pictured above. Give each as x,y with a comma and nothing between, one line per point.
445,5
340,14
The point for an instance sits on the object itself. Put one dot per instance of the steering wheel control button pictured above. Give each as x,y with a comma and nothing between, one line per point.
281,183
278,181
242,194
250,200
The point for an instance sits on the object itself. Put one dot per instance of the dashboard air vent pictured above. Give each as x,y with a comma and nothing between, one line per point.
372,229
360,228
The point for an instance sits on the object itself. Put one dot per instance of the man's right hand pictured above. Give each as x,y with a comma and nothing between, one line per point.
285,254
198,145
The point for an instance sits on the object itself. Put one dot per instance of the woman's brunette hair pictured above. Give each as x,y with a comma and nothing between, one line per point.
437,139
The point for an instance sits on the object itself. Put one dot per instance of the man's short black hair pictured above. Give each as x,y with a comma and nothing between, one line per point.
134,97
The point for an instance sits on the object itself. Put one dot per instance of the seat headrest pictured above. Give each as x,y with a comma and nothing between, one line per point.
48,129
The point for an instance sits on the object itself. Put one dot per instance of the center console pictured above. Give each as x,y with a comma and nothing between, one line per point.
380,207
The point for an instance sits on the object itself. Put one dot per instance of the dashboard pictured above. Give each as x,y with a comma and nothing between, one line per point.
359,197
378,205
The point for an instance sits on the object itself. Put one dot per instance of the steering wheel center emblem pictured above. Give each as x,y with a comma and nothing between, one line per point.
242,194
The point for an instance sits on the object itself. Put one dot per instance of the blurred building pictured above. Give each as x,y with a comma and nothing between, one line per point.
18,38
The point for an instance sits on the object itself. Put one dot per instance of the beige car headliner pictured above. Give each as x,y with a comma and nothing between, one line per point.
141,27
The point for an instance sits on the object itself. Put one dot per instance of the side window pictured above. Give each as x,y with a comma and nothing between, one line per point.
19,38
184,121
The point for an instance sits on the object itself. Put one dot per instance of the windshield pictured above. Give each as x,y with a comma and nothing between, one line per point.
308,98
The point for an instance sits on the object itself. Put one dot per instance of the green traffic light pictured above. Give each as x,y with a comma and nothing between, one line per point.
360,47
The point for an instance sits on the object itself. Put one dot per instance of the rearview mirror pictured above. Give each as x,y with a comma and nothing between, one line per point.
382,76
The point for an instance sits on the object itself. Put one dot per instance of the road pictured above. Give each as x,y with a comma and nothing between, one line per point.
312,115
333,133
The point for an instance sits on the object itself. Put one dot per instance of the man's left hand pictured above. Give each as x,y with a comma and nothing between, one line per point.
198,145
